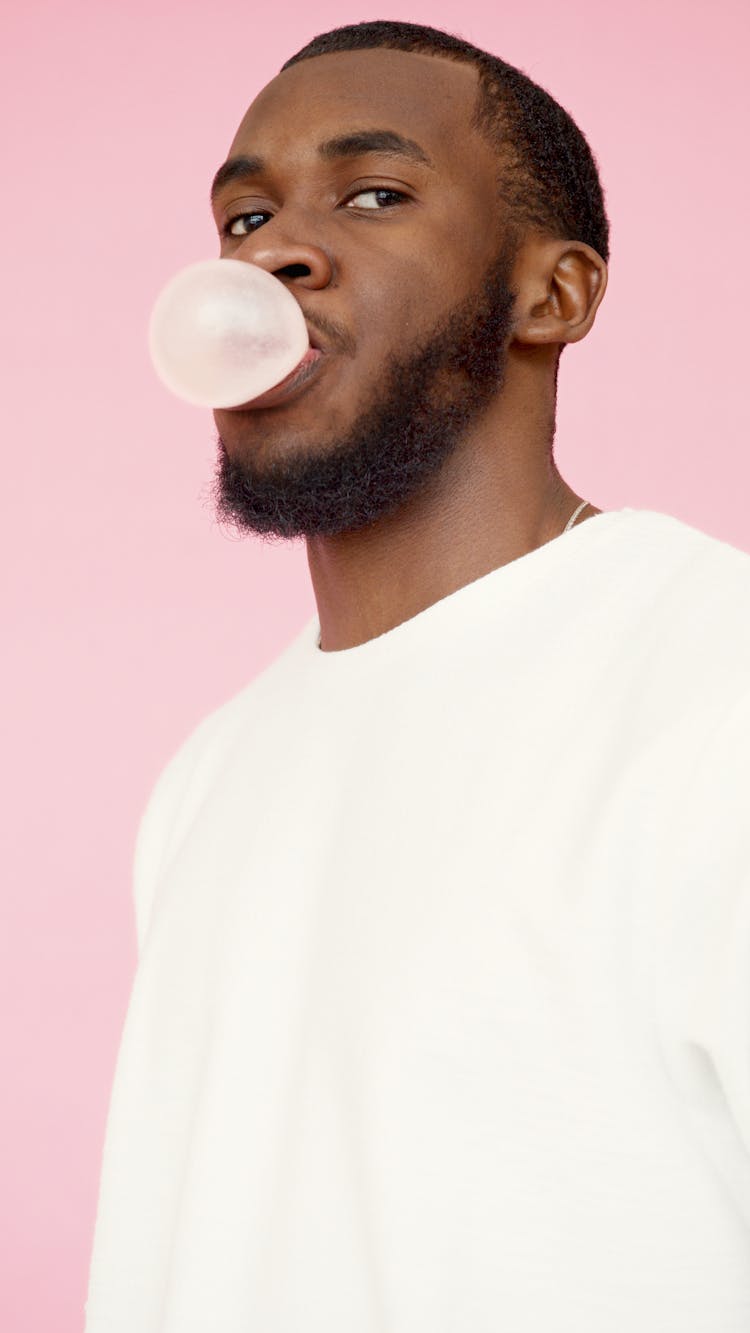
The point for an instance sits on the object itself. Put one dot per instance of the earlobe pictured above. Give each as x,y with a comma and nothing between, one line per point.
561,284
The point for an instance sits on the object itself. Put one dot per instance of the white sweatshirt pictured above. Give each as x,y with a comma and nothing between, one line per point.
441,1020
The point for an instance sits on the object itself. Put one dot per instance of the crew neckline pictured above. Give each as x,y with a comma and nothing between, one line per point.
509,575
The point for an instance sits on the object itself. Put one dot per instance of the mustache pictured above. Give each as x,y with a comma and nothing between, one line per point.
339,338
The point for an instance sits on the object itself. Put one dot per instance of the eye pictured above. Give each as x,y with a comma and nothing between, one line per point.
380,193
227,230
375,193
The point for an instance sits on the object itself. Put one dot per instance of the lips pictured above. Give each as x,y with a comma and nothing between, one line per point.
305,370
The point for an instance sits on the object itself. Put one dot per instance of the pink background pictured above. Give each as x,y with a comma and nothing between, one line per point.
130,614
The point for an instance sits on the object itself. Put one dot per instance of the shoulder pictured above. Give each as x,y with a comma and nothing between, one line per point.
197,763
687,600
676,546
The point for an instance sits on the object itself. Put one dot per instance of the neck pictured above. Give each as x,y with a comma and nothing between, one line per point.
498,497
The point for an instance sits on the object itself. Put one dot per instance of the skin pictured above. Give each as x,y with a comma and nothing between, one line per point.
384,280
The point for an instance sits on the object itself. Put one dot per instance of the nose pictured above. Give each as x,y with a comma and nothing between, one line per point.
299,264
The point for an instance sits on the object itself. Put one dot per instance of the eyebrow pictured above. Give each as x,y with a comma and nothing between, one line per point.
355,144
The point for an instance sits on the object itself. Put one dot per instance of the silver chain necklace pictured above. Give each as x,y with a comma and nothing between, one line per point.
574,516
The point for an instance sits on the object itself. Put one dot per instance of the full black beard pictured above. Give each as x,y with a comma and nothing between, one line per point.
419,414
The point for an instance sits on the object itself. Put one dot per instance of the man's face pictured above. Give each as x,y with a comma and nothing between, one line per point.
407,293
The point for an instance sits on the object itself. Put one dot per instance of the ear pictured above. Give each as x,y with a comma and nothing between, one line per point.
559,286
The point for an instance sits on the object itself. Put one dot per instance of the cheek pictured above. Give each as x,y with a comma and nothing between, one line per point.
396,302
469,241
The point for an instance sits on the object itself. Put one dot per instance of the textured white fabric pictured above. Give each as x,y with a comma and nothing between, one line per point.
441,1020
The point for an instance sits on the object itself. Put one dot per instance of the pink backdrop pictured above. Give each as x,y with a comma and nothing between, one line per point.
130,615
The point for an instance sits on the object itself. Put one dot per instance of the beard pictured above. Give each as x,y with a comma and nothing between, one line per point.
418,414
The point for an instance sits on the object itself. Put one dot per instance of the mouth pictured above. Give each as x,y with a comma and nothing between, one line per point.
303,373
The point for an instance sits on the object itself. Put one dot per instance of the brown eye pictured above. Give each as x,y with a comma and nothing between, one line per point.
240,217
376,193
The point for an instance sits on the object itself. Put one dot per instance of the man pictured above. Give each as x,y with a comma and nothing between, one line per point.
441,1019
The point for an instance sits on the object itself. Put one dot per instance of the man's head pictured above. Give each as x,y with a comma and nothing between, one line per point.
401,186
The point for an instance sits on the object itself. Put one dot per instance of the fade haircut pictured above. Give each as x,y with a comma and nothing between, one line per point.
547,176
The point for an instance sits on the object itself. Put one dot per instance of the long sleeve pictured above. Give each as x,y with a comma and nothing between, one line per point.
167,811
704,943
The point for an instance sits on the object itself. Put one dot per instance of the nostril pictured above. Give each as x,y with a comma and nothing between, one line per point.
293,271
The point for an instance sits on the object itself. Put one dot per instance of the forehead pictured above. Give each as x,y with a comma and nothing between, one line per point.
427,98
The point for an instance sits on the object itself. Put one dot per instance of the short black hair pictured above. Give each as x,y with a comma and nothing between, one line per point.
548,174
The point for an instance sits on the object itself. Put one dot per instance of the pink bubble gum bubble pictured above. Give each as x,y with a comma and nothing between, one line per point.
223,331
